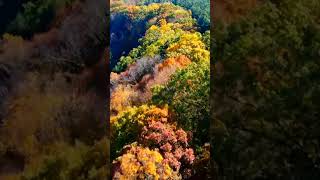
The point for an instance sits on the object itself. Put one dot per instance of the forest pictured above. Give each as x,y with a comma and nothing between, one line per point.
159,90
53,79
265,92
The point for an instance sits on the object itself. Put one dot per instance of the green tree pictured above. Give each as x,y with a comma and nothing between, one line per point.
187,94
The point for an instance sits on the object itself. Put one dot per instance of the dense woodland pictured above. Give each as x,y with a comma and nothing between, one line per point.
53,80
266,89
159,91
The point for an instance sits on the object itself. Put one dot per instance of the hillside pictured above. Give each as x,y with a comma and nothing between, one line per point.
266,90
53,89
159,92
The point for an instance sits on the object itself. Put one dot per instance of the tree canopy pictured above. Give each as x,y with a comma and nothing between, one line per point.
265,94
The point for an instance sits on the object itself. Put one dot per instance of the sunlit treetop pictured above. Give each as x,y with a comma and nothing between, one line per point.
142,163
191,45
152,13
180,61
140,115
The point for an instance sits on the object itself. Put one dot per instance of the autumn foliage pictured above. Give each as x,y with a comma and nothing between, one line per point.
142,163
159,134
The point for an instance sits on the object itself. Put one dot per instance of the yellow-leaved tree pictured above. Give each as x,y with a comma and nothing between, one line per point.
190,45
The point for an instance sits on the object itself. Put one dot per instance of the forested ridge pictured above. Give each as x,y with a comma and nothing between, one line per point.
159,92
200,10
